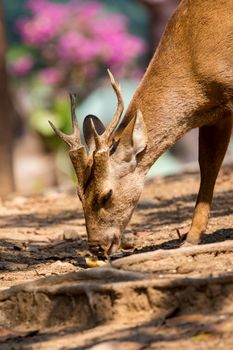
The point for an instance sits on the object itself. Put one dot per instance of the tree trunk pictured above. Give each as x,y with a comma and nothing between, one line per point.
6,119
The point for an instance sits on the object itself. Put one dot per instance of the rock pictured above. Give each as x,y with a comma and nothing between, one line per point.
117,345
94,262
71,234
128,241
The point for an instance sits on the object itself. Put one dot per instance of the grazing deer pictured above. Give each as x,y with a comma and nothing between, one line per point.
188,84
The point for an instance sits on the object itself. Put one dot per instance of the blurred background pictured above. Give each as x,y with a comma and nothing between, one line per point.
49,48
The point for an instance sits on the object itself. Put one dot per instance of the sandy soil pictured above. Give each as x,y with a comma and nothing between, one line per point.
43,237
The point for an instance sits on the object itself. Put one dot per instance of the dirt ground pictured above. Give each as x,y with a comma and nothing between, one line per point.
151,295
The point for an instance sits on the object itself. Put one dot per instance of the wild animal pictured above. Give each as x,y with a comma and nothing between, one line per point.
188,84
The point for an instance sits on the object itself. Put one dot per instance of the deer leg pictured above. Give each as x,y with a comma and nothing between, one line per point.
213,142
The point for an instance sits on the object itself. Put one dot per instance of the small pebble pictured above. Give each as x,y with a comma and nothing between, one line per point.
128,241
94,262
71,235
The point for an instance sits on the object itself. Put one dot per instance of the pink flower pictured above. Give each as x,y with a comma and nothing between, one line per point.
38,31
111,25
122,48
51,76
36,6
22,65
78,33
74,47
48,19
91,9
47,8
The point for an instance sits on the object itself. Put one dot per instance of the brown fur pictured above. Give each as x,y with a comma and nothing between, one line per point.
188,84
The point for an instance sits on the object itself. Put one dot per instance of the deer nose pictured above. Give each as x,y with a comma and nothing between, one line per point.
110,246
96,249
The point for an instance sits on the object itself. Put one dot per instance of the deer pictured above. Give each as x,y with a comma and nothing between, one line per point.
188,84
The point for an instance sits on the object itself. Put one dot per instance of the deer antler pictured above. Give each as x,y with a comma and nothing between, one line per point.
120,108
102,141
77,150
74,139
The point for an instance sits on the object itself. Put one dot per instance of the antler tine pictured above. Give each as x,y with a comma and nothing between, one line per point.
59,133
97,137
77,151
74,139
73,105
120,107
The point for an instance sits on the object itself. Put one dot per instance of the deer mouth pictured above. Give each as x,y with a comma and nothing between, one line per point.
115,246
96,250
105,250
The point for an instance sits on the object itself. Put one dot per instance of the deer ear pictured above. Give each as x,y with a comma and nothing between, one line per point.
87,130
133,139
139,134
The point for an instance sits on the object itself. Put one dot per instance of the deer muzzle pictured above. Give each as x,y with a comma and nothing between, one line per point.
104,248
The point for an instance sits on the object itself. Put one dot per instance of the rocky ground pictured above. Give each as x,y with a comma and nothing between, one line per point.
155,294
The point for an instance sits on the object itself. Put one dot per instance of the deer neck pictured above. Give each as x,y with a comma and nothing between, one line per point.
171,96
167,106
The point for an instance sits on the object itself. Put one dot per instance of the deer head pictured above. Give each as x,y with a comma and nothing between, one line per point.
109,181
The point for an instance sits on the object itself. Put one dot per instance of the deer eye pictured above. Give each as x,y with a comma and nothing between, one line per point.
106,198
113,146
